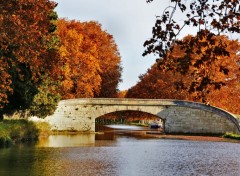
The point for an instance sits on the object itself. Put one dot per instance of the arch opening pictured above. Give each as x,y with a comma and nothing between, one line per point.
131,117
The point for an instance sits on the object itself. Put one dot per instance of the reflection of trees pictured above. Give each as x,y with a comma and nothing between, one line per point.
48,162
67,140
70,161
16,160
28,160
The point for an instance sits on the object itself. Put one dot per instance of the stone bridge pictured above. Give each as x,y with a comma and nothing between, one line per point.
178,116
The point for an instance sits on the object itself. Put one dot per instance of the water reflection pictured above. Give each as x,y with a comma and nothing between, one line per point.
67,140
16,158
125,127
108,132
123,154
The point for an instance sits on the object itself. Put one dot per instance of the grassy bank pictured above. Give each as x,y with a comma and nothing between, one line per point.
232,136
44,129
15,131
139,124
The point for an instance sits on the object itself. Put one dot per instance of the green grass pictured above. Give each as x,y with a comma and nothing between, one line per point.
139,124
15,131
232,136
44,129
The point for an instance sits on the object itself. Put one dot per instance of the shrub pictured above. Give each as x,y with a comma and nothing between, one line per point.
232,136
44,128
14,131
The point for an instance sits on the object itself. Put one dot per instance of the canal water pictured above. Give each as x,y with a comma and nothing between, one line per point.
121,151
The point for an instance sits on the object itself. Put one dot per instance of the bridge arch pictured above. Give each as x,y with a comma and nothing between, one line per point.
179,116
129,115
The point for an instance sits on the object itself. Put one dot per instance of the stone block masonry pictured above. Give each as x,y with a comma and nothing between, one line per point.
178,116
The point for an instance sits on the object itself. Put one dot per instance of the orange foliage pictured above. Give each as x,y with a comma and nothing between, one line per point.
24,26
122,94
224,72
129,116
78,67
88,56
5,80
108,57
156,84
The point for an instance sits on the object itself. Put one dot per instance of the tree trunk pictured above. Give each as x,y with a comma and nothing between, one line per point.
1,117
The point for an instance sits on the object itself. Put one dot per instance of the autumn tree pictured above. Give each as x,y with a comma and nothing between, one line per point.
205,75
122,94
78,69
89,64
211,19
125,117
108,57
156,84
227,98
26,50
223,89
45,101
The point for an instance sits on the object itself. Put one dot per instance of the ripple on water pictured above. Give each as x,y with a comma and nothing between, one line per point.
125,156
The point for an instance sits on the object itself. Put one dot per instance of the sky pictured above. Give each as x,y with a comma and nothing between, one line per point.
129,21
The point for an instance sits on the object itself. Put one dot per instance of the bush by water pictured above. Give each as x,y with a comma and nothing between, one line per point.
232,136
15,131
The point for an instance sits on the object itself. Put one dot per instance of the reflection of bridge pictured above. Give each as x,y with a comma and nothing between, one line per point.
178,116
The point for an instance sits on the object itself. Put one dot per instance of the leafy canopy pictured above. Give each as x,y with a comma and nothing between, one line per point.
89,63
213,81
211,19
27,50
